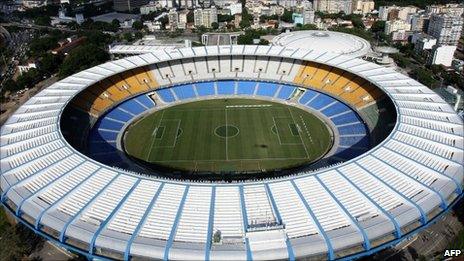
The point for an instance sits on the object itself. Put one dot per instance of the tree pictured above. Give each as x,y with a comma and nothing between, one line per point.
49,63
137,25
115,23
97,37
128,37
378,26
222,18
309,27
190,17
287,16
42,20
214,25
245,23
29,79
263,42
81,58
245,39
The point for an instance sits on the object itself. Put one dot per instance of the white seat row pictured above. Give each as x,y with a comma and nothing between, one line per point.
78,199
193,223
33,153
100,209
33,142
38,164
420,173
228,212
430,135
294,214
383,196
130,214
427,145
324,207
355,203
397,180
63,186
419,156
43,178
258,207
161,218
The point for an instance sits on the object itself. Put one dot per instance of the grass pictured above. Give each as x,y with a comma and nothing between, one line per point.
236,135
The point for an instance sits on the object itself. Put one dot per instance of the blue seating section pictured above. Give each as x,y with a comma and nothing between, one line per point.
132,106
307,96
267,89
145,101
184,92
166,95
246,87
286,92
335,109
321,101
355,129
103,135
353,139
226,87
205,88
345,119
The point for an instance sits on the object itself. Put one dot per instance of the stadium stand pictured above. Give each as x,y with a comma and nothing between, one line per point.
376,200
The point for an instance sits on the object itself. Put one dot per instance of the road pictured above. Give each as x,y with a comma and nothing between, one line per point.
33,26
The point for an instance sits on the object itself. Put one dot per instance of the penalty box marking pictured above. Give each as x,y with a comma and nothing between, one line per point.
277,130
163,129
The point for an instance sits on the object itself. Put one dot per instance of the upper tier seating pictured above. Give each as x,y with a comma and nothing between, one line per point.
349,87
102,95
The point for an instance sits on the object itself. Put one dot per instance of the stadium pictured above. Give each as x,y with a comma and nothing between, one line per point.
232,153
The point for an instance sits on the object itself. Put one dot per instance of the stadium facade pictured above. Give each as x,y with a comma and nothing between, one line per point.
353,208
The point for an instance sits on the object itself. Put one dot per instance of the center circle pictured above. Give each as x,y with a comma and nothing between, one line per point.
226,131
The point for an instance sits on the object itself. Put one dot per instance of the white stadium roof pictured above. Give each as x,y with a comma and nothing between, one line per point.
324,41
354,207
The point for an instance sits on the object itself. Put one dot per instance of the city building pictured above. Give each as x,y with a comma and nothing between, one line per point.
237,20
333,6
220,38
128,5
33,3
150,7
235,8
173,19
446,28
400,35
363,6
205,17
442,54
396,25
453,9
423,42
304,17
419,22
393,12
26,67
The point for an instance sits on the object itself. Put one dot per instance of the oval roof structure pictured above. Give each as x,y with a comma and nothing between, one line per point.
324,41
347,210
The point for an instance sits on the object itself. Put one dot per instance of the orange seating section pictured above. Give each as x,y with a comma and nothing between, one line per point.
349,87
102,95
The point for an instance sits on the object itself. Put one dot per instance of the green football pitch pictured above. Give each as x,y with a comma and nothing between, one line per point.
228,135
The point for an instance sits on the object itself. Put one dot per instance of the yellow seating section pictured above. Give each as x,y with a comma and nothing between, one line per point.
102,95
145,78
134,84
349,87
